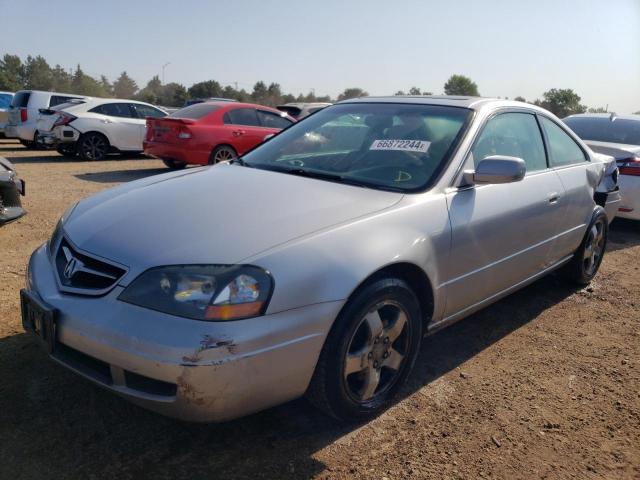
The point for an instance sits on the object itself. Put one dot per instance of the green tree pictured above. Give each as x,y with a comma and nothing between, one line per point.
124,86
427,93
461,85
520,99
414,91
400,93
260,93
83,84
106,86
207,89
597,110
61,79
353,92
561,102
11,73
173,95
37,74
151,92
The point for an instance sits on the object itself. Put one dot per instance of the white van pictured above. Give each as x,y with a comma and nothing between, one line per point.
24,113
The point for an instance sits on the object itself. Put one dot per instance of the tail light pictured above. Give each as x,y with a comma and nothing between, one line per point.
184,133
64,119
149,131
23,115
630,166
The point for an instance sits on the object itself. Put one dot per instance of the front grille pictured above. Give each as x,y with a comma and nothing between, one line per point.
81,273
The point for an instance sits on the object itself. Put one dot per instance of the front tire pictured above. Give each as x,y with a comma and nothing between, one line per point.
369,351
93,146
587,258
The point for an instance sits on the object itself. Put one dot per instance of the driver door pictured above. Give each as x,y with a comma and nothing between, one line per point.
502,234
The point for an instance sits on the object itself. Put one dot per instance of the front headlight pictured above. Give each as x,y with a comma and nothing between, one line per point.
203,292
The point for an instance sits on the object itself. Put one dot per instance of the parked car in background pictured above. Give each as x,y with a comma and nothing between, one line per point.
619,137
301,110
5,103
11,188
45,123
316,262
211,132
24,113
97,127
193,101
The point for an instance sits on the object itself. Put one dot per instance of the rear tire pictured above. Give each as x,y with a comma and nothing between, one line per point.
28,144
222,153
173,164
369,352
587,258
93,146
67,150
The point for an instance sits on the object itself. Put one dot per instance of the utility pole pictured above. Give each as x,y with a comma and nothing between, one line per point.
163,67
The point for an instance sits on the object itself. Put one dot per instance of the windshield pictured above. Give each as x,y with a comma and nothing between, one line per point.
399,147
603,129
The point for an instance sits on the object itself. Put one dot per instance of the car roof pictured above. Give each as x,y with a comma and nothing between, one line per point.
48,92
470,102
304,104
607,116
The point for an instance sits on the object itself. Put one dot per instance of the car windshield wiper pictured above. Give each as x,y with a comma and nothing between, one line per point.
239,161
332,177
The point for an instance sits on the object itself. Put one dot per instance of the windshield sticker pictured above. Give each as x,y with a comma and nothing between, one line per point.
401,145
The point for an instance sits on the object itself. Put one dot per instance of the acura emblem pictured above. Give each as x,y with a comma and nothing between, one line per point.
71,268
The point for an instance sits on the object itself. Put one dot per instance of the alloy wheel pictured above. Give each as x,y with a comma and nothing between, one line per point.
223,154
94,147
377,352
594,247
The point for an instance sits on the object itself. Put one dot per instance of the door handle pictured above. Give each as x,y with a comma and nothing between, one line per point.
237,133
553,197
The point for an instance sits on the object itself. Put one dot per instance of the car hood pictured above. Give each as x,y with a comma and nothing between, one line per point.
220,214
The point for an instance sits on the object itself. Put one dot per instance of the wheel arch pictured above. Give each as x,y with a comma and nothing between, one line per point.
414,276
99,132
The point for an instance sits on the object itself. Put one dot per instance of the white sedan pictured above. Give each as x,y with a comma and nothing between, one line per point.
619,137
95,128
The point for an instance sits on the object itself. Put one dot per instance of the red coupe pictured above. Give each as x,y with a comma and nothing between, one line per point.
211,132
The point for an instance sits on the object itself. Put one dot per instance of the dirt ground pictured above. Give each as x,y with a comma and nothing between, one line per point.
544,384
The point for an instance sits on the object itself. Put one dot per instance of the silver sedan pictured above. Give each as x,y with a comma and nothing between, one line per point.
314,264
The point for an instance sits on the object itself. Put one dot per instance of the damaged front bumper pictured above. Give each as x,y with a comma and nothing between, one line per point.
188,369
11,189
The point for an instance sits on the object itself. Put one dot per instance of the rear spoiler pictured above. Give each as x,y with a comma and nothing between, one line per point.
172,119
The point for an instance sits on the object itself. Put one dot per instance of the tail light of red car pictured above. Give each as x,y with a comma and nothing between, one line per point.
64,119
23,115
630,166
184,133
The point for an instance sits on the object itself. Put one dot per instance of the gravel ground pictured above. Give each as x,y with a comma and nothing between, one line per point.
544,384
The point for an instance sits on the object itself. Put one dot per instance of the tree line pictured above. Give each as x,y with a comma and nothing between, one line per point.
35,73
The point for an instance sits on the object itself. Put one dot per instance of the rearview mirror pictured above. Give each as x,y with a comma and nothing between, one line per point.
496,169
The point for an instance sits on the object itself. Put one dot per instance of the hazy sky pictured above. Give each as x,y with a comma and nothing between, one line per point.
507,47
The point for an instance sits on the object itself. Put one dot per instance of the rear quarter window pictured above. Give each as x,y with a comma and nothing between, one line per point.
21,100
59,99
195,111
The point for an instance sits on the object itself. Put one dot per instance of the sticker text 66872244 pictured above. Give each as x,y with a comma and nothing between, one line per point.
402,145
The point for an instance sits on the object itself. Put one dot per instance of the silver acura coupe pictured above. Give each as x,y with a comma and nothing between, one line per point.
314,264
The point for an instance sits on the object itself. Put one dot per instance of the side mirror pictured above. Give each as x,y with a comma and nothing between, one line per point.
496,169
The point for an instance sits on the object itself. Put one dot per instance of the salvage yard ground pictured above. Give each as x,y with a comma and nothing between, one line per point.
544,384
